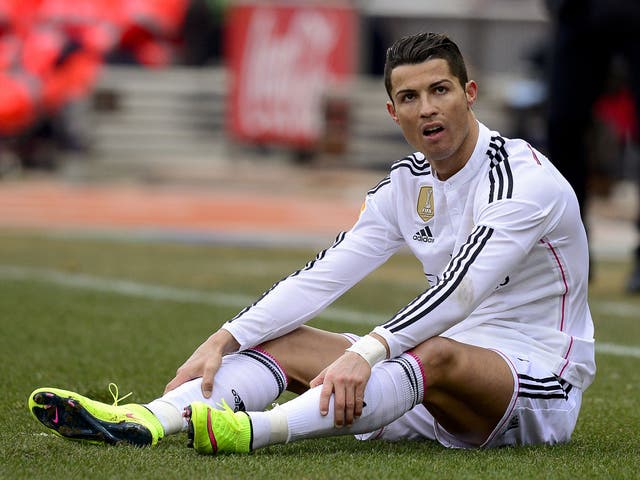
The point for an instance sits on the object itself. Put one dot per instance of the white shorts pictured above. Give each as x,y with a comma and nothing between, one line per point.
543,410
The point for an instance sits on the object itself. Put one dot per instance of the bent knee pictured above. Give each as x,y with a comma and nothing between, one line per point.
440,356
437,352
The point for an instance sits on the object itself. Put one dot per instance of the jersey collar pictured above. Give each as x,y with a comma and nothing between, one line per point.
471,168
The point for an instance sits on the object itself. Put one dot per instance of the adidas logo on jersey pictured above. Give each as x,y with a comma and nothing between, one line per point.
424,235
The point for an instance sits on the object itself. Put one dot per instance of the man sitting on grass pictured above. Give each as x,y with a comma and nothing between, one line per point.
497,351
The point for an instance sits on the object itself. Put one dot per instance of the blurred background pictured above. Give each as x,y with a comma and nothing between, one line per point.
184,76
269,96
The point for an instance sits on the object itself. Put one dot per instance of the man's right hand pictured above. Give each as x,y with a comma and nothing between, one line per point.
205,362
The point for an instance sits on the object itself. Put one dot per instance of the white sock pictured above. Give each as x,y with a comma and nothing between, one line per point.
247,380
395,387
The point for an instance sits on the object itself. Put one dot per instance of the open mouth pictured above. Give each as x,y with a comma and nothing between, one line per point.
428,132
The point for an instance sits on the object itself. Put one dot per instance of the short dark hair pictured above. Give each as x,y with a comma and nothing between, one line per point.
421,47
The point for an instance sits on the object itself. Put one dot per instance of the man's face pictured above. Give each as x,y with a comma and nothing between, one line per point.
434,113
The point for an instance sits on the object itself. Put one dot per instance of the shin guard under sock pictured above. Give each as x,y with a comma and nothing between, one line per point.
247,380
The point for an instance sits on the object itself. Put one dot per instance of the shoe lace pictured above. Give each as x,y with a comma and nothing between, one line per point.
113,390
233,421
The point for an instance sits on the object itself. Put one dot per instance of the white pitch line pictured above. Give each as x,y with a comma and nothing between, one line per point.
619,350
616,308
174,294
123,287
165,293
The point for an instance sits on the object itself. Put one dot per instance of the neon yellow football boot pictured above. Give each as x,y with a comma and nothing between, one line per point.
211,431
72,416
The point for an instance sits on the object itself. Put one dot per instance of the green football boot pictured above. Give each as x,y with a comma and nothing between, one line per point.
211,431
75,417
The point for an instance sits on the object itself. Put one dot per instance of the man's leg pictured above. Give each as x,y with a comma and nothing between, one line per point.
251,379
395,387
247,380
467,388
304,353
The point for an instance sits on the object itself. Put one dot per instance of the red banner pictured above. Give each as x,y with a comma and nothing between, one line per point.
283,59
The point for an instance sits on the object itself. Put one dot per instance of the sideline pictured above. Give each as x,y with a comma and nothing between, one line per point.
174,294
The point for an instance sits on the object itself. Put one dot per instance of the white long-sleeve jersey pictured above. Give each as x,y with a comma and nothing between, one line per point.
501,243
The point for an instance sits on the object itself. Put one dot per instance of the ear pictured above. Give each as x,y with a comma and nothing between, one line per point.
392,111
471,92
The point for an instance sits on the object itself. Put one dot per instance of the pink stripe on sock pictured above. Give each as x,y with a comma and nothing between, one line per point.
267,354
422,374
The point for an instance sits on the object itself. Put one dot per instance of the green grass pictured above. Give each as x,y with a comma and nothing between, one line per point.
52,334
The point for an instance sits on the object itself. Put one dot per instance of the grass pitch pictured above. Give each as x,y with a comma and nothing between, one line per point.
80,313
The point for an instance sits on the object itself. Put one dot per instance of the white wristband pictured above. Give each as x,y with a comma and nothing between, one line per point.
369,348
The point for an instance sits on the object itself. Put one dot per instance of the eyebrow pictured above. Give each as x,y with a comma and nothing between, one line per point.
406,90
440,82
431,85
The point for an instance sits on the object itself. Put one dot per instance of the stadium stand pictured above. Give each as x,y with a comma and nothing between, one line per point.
51,52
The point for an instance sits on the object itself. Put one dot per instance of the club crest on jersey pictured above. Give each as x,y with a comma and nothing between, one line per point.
425,203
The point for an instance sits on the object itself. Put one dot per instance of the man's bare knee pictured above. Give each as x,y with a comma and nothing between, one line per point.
468,388
439,357
292,351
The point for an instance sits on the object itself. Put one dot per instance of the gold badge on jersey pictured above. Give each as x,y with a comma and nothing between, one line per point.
425,203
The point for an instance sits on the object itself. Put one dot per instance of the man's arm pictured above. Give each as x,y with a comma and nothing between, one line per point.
302,295
503,237
305,293
471,276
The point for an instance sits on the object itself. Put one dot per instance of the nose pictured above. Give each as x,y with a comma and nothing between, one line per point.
427,107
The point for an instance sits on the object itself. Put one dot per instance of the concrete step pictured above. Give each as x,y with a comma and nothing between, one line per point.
181,111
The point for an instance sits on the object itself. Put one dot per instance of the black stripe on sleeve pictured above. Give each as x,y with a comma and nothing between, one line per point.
434,296
507,168
416,166
492,185
498,171
308,266
385,181
500,174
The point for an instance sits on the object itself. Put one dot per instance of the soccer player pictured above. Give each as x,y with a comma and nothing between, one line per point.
496,351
